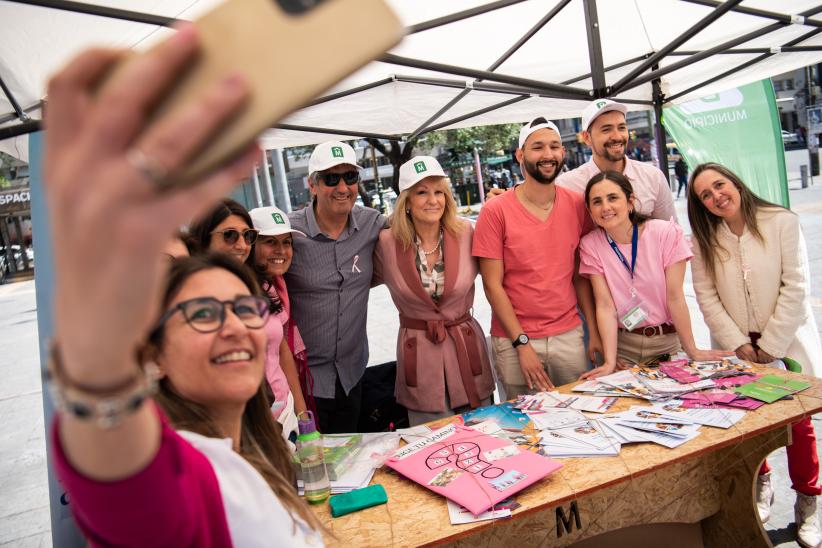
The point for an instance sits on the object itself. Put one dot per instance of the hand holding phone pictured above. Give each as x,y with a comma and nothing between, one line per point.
282,50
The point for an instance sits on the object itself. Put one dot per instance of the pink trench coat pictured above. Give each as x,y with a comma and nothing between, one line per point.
439,344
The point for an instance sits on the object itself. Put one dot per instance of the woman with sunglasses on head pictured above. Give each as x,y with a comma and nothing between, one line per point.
226,228
637,269
286,367
225,478
751,279
425,260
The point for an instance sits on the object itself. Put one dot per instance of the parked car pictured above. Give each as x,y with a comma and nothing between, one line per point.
789,138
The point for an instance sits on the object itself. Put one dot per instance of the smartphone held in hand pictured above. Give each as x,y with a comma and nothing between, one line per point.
289,51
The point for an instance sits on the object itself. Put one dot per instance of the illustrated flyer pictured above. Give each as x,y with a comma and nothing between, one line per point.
473,469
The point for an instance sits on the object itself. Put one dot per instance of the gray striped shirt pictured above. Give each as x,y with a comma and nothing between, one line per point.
328,285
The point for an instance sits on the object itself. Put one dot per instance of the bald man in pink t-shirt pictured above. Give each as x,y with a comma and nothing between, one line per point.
526,242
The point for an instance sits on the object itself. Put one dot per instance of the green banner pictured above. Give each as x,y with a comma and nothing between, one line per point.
738,128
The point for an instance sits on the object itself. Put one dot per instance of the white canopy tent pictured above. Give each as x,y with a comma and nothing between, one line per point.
463,63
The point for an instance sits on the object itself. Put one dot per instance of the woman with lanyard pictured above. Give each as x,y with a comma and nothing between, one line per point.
751,280
637,268
425,260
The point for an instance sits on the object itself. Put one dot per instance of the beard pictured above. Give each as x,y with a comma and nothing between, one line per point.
612,156
532,168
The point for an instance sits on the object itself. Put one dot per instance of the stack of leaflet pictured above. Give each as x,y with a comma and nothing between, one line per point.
374,449
628,384
771,388
660,384
505,415
719,399
550,400
584,438
648,424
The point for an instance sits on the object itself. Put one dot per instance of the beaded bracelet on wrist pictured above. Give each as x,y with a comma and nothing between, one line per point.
106,406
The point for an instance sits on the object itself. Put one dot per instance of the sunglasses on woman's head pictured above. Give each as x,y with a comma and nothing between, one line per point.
207,314
333,179
231,235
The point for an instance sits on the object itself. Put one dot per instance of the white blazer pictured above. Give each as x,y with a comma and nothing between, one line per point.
776,275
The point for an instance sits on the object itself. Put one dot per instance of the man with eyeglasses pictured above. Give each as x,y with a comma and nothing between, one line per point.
329,281
605,130
526,241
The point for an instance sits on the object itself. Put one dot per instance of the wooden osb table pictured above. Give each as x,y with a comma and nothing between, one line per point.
708,481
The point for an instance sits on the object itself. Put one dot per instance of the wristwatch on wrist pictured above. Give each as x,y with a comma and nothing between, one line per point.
521,339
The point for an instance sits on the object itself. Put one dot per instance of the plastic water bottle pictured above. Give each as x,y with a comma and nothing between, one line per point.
312,463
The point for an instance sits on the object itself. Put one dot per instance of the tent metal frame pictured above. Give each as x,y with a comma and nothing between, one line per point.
647,67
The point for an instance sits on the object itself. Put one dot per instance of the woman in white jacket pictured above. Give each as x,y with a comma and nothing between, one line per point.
752,283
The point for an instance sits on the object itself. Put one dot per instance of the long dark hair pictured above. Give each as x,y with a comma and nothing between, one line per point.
201,229
275,303
704,223
261,442
624,184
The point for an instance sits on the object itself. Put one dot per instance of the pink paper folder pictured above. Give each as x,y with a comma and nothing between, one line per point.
680,374
473,469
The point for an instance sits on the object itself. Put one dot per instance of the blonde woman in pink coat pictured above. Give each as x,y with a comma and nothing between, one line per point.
425,260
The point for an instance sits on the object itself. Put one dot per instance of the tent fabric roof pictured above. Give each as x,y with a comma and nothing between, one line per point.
402,95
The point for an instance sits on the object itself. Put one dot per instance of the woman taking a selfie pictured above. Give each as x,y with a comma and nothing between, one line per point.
425,260
225,478
637,268
751,280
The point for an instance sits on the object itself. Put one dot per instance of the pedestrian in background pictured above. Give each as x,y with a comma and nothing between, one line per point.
681,172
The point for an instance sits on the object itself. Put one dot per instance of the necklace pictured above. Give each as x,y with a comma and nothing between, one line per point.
427,253
533,203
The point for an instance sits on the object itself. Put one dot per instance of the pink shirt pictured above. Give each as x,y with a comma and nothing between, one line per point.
274,374
538,259
661,244
651,188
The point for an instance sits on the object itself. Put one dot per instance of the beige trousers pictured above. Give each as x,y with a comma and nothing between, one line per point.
562,356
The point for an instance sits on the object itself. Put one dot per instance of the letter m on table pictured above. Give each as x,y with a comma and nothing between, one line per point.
564,523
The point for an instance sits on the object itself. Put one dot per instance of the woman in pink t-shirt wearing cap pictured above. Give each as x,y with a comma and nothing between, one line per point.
637,268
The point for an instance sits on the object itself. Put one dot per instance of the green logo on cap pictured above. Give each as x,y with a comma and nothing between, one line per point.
278,218
600,104
337,152
419,167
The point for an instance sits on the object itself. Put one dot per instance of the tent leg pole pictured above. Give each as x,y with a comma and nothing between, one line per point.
659,131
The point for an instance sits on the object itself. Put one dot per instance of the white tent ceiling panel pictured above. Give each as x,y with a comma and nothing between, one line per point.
35,41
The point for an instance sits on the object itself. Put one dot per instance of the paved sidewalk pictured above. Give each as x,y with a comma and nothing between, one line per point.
24,512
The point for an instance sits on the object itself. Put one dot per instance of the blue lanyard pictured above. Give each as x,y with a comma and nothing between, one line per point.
619,254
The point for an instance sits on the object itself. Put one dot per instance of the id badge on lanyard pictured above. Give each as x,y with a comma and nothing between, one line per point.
632,313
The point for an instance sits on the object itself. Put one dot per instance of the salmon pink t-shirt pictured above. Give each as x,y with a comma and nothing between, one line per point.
660,244
538,259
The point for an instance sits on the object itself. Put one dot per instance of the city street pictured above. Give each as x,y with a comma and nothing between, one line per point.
24,512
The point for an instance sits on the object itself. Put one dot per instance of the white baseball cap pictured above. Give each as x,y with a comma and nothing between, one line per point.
272,221
330,154
417,169
597,107
536,124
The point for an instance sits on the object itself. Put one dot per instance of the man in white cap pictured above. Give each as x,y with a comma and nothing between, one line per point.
605,130
329,281
526,241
